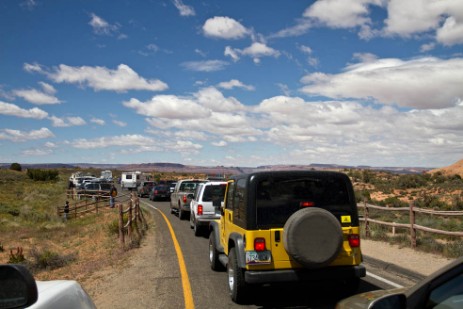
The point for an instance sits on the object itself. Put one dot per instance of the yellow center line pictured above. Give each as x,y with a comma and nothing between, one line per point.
187,294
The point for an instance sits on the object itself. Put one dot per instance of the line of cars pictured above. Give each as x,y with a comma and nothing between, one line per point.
296,226
156,191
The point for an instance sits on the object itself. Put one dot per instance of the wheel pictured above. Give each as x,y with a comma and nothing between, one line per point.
350,286
214,254
191,221
197,229
237,286
181,213
313,237
171,210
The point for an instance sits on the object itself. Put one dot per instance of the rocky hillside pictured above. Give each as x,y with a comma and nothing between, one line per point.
454,169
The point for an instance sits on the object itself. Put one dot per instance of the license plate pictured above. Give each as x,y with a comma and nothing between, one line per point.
261,257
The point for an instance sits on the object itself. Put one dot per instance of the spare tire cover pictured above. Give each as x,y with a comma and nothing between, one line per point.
313,237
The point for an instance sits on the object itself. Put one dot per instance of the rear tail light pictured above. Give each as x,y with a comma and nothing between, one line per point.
354,240
306,204
200,210
155,191
259,244
184,198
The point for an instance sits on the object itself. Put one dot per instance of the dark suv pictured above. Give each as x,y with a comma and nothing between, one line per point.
284,226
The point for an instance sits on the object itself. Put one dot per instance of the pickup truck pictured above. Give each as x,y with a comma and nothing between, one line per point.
145,187
287,226
182,195
205,206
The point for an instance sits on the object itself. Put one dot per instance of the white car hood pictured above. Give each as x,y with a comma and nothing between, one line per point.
62,294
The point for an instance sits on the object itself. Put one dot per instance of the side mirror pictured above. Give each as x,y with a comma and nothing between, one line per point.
17,287
396,301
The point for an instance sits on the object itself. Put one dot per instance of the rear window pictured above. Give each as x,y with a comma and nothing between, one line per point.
278,198
213,192
189,185
105,186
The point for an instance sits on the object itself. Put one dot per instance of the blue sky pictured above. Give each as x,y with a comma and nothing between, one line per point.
234,83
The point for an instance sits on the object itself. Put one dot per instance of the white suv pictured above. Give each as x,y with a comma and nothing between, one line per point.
205,206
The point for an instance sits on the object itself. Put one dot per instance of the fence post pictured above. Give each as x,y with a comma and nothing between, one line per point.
366,215
97,202
129,234
121,225
412,227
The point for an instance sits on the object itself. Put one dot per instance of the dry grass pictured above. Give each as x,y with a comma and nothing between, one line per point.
88,239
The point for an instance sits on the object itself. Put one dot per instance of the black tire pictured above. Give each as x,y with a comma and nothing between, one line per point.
191,221
181,214
214,254
197,229
239,290
350,286
313,237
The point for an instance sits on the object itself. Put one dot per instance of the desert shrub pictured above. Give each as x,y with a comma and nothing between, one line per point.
429,244
113,227
394,202
50,260
42,175
16,257
15,167
454,249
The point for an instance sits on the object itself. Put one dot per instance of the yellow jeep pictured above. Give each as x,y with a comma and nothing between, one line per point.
284,226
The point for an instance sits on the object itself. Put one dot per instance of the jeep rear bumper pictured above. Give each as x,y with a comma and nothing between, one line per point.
295,275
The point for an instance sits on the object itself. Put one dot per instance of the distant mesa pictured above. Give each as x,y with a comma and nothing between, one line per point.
454,169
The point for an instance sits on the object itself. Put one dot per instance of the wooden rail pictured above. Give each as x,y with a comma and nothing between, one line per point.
411,225
135,221
87,203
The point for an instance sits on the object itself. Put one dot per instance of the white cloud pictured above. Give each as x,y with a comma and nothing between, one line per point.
40,97
29,4
234,83
14,110
256,51
302,26
184,10
220,144
99,78
418,83
98,121
406,18
119,123
101,26
214,100
205,66
451,32
224,28
340,13
169,107
67,121
109,141
37,152
22,136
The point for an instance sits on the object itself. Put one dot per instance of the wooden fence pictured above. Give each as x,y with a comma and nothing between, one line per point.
134,218
411,225
82,204
132,222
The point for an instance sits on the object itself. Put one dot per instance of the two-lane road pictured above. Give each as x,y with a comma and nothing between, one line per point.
208,289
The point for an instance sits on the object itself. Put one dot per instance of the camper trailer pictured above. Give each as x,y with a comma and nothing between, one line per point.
106,175
130,180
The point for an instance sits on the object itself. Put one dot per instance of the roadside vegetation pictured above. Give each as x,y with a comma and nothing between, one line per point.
33,234
431,191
